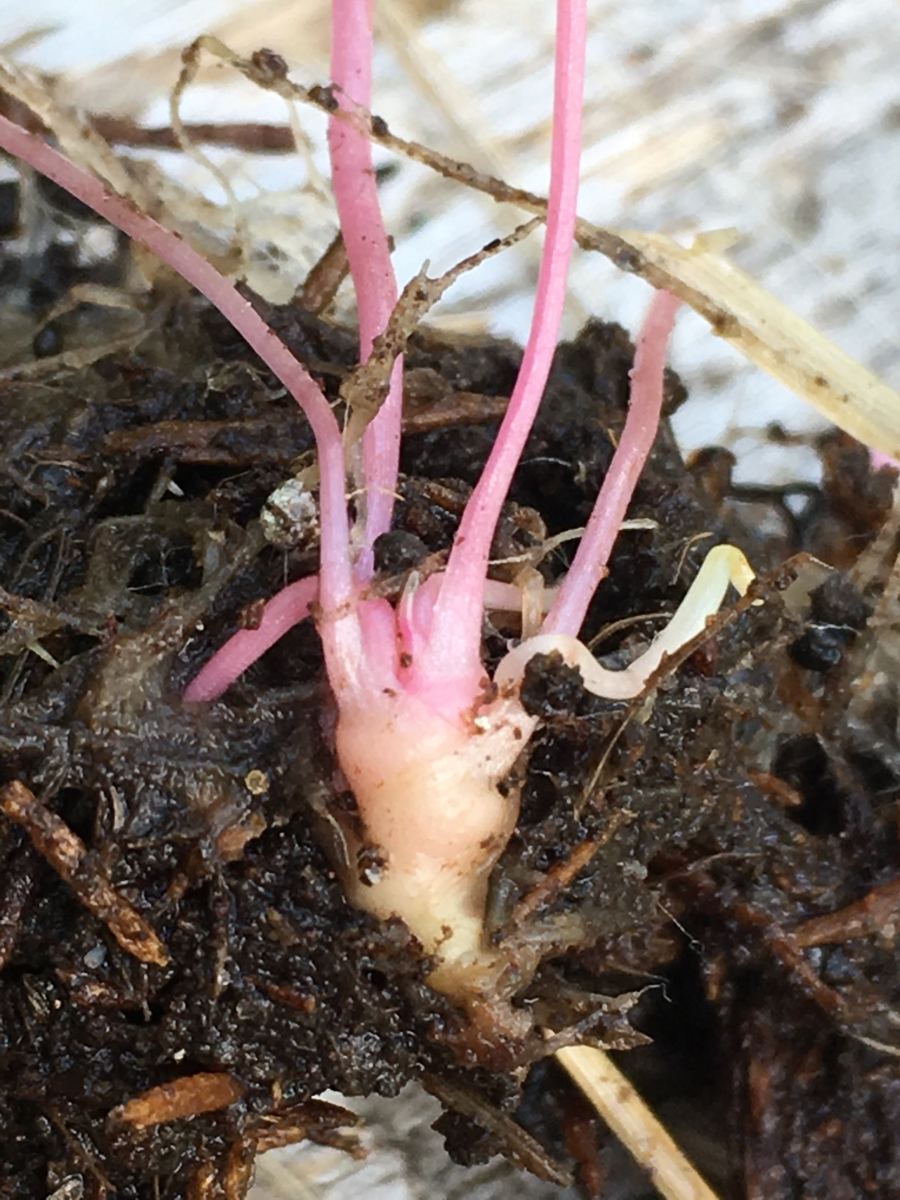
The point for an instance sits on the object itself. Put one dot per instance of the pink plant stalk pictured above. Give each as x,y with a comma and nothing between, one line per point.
589,565
365,238
288,608
878,460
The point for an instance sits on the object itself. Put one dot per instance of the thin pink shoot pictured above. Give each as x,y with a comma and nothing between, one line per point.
878,460
454,644
285,610
725,566
335,572
589,567
362,227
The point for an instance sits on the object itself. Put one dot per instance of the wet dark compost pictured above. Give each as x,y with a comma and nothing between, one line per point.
711,874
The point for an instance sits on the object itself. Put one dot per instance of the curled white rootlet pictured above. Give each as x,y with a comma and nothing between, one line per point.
723,566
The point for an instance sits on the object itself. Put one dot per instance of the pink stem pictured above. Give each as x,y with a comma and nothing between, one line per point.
285,610
455,644
359,210
589,566
336,578
878,460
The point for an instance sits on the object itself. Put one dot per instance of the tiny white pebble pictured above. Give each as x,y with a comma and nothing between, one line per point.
94,958
290,516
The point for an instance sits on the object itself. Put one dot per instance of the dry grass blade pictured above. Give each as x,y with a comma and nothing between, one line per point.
76,137
189,69
367,388
623,1110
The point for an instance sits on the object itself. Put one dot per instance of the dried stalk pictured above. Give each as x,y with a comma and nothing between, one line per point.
636,1127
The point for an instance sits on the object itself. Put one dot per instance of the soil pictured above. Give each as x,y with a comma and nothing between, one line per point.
711,874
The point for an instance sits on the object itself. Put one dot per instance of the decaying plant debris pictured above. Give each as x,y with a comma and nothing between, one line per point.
734,838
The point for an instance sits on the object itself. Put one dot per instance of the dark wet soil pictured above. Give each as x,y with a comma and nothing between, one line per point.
715,869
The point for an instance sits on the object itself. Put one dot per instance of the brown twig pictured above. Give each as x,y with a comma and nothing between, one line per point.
789,953
518,1145
876,912
254,137
782,793
227,442
366,388
325,278
315,1121
458,408
781,942
561,874
188,1096
580,1137
69,856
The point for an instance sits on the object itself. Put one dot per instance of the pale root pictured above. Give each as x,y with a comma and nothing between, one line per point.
434,816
